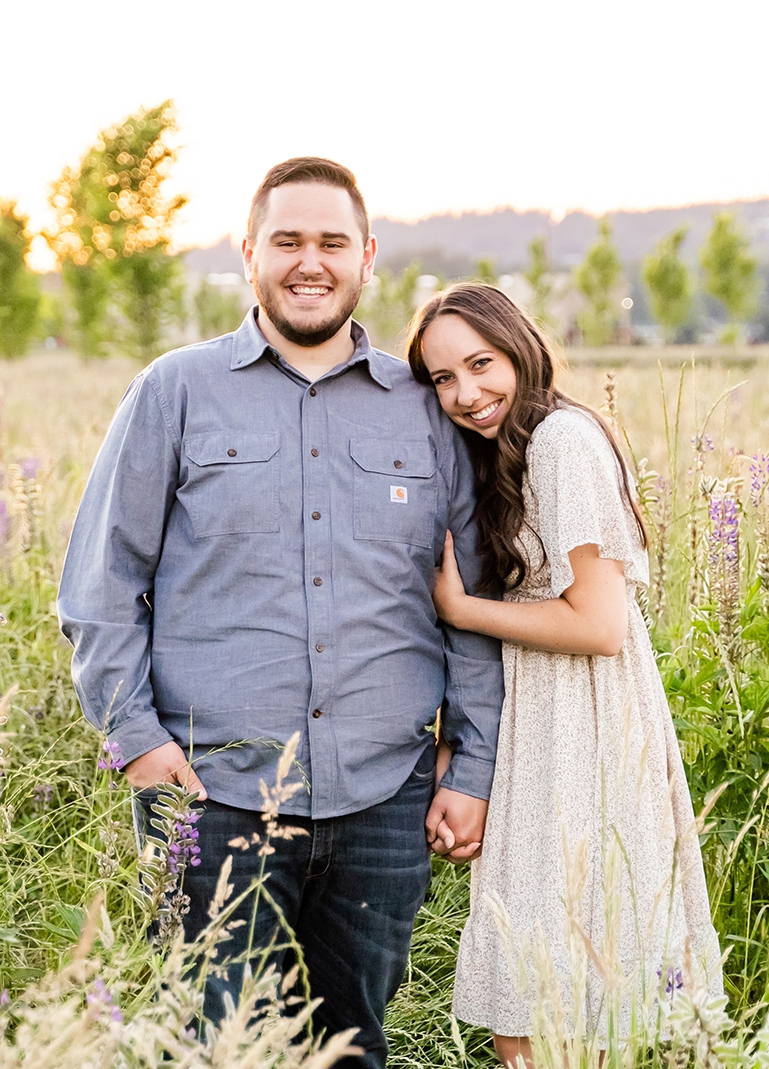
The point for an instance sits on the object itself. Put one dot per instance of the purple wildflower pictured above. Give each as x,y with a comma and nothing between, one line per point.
112,758
674,981
30,467
42,795
724,530
101,997
701,442
5,998
183,847
759,477
5,522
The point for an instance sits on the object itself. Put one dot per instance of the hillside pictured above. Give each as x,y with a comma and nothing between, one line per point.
450,245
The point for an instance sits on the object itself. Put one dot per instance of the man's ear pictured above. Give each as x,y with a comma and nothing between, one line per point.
247,253
369,258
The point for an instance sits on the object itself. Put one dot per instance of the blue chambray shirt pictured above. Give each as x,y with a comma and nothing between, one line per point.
254,556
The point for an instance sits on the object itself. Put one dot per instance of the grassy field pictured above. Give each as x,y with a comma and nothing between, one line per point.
64,822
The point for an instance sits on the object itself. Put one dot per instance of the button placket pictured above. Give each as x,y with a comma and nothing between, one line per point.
317,564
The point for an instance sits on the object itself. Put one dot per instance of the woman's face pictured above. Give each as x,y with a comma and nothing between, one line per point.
475,382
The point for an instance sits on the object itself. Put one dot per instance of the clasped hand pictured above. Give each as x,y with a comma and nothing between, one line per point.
449,594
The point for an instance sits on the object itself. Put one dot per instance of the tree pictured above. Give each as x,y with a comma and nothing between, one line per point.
217,310
538,276
19,286
596,278
484,270
113,230
387,305
669,283
730,272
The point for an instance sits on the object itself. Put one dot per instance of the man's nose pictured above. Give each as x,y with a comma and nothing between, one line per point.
310,263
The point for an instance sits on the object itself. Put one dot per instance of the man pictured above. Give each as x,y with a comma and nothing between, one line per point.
257,544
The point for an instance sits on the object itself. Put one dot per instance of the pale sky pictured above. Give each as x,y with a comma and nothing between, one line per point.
437,105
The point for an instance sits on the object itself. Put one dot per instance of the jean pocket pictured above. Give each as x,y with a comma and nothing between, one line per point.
394,490
425,766
232,484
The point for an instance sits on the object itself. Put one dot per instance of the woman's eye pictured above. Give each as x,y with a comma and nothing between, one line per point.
441,380
482,362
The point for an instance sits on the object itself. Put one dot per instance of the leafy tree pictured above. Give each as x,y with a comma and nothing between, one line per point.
669,283
19,286
217,310
596,278
484,270
387,306
730,272
113,230
538,276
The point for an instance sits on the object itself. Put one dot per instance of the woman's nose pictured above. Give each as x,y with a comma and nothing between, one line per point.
468,391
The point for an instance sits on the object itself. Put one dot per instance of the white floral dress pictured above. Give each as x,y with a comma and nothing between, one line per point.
588,760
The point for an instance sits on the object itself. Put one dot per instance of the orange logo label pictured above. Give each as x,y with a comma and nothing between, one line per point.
399,494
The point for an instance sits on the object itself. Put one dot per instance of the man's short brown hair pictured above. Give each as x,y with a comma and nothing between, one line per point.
307,169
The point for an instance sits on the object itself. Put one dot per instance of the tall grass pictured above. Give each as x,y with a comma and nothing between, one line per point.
65,824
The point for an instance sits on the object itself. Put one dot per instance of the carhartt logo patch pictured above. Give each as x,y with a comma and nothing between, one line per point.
399,494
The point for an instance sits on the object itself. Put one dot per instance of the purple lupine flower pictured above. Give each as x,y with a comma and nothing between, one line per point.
30,467
5,521
724,530
42,795
674,980
101,997
701,442
759,477
183,846
5,998
112,759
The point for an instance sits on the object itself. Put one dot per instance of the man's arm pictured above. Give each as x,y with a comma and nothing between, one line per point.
107,583
474,691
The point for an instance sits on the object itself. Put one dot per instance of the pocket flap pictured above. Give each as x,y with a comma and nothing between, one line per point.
232,448
411,460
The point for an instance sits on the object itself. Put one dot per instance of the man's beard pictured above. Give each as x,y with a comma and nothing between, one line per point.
308,336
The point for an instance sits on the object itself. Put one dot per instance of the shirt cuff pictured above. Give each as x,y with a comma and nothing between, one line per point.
469,775
136,737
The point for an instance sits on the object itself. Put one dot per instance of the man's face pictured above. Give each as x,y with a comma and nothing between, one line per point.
309,263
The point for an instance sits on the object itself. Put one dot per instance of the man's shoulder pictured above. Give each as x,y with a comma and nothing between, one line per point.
204,357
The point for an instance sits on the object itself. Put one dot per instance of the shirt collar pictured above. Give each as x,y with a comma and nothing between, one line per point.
250,345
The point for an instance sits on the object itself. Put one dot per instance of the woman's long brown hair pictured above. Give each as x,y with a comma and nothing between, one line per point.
500,464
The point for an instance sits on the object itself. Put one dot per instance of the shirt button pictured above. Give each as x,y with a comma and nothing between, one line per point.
316,713
319,647
397,463
318,581
232,452
316,515
313,391
314,453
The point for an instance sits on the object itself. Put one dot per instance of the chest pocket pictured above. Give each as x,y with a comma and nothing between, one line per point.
394,490
233,485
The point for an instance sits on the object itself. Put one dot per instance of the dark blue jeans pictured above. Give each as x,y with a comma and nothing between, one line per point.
349,889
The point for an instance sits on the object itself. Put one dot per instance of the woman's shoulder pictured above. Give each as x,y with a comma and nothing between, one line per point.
567,428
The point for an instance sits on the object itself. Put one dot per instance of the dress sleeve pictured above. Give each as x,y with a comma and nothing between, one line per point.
575,478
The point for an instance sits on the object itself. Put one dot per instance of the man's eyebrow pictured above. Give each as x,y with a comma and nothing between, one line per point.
326,235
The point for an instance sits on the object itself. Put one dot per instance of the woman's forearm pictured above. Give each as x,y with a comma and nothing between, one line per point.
553,625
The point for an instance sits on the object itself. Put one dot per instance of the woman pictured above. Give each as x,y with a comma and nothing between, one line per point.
588,767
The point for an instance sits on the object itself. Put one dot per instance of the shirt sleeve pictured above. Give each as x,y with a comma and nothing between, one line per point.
474,679
576,480
107,581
